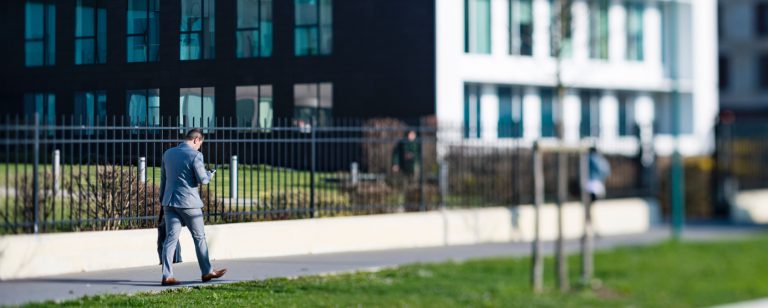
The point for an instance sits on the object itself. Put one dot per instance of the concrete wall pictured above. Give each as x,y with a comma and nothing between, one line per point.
23,256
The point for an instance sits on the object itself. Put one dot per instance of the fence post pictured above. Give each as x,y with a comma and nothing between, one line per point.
233,178
35,169
588,236
142,169
443,182
537,269
313,164
56,171
422,205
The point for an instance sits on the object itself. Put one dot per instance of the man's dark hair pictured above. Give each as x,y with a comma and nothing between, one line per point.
194,133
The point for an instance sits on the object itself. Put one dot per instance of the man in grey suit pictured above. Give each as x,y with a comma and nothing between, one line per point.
182,171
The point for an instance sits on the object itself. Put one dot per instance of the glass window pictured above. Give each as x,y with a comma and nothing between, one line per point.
90,109
761,19
521,27
314,27
39,33
627,125
598,29
548,113
142,32
510,112
196,39
724,72
472,115
143,107
254,106
90,32
635,11
477,26
41,103
254,28
590,113
197,107
763,69
313,101
560,38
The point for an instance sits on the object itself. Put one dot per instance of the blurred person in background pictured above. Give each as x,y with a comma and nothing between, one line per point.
406,164
599,170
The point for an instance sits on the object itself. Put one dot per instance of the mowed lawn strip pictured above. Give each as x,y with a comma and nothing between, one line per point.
663,275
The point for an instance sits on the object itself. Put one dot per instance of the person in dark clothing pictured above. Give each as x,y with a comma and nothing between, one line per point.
406,166
599,170
406,157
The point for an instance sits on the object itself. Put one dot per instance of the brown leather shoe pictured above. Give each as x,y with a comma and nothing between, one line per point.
214,274
170,281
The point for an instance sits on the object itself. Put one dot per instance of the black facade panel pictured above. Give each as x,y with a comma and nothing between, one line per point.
382,63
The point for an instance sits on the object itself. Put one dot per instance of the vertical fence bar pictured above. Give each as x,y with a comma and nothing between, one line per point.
313,167
56,171
587,237
232,180
537,269
35,169
562,182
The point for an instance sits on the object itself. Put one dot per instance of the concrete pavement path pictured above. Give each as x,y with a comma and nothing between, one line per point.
146,279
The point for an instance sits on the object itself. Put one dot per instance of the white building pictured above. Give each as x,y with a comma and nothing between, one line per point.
496,74
743,34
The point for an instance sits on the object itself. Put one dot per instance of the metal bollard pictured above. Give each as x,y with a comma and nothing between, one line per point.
353,169
233,178
443,182
142,169
56,171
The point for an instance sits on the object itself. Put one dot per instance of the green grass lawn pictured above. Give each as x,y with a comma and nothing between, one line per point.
665,275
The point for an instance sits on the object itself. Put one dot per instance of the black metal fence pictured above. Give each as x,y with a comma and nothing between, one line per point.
63,176
740,158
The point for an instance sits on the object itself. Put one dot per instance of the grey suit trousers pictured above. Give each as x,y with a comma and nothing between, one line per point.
193,218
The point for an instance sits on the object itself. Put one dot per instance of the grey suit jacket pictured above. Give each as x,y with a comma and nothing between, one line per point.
182,170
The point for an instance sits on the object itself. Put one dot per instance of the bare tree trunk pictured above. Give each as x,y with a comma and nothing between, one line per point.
537,268
561,259
587,240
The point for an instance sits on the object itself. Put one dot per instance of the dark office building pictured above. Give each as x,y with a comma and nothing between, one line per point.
258,60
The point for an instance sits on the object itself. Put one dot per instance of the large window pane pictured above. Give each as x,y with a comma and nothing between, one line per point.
143,107
521,27
197,107
510,123
254,28
142,35
627,125
598,29
90,109
313,34
590,113
254,106
477,21
472,118
561,29
44,104
196,40
635,30
39,33
548,113
90,32
313,101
